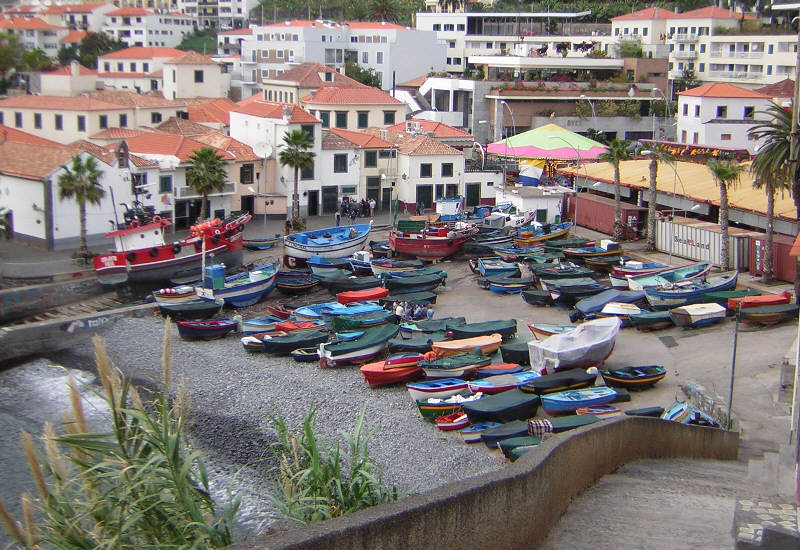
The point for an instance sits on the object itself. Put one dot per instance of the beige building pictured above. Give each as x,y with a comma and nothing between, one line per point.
304,79
354,108
194,75
137,68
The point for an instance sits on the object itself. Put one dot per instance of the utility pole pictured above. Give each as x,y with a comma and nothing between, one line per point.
794,154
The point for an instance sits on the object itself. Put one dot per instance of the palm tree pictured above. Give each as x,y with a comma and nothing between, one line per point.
296,154
205,174
617,152
81,181
657,153
727,175
771,169
383,10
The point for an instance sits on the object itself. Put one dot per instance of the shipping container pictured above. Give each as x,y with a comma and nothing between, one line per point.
783,265
597,213
701,241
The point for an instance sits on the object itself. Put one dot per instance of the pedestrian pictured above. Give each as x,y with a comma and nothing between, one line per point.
344,206
406,311
353,214
288,227
429,312
399,311
372,208
418,313
364,208
338,218
421,207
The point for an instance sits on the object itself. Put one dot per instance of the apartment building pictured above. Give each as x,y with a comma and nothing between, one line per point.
136,68
229,43
303,79
144,27
353,108
33,33
194,75
218,14
646,28
86,17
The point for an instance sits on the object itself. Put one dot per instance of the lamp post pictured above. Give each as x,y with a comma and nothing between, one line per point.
510,112
594,113
666,108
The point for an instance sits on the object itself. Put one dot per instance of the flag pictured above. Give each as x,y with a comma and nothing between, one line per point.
530,171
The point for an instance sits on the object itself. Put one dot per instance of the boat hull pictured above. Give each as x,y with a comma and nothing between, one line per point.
297,249
428,248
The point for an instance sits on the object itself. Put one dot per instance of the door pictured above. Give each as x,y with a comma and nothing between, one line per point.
313,203
373,188
541,216
386,199
473,194
330,199
424,197
248,203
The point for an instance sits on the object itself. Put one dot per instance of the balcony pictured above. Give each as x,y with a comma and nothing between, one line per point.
686,37
737,55
630,38
685,55
189,193
736,75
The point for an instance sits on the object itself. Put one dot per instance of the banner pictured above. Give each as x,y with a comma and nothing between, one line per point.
530,171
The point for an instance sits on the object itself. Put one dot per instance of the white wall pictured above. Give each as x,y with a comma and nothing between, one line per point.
710,134
179,81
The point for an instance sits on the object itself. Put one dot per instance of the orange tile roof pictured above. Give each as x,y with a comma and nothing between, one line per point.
168,144
71,8
361,139
439,129
108,155
256,106
216,111
141,52
28,23
214,138
711,12
296,23
375,25
32,160
182,127
119,133
306,75
414,82
722,89
12,134
131,11
645,14
21,10
63,103
237,31
351,96
66,71
191,57
410,144
74,37
782,89
132,99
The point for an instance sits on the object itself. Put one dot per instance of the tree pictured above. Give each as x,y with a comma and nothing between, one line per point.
384,10
205,174
36,60
628,49
365,76
687,81
617,152
771,168
67,54
727,175
95,44
10,58
296,155
81,181
657,153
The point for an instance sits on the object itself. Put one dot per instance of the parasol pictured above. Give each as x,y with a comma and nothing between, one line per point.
551,142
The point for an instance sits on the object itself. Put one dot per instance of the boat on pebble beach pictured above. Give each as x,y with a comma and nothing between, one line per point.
329,242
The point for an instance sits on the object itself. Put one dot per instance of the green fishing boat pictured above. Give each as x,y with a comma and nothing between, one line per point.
413,298
362,320
721,297
420,344
372,342
433,325
454,366
651,320
506,328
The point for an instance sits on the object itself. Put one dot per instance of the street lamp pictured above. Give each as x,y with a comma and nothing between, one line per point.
666,109
510,112
594,113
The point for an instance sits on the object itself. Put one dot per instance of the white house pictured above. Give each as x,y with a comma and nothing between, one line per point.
546,201
86,16
194,75
143,27
720,114
230,42
71,80
33,33
646,28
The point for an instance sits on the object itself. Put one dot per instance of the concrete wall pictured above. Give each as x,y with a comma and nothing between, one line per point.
530,494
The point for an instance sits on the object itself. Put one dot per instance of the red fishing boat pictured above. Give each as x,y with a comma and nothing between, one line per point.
376,374
430,241
349,296
758,301
142,255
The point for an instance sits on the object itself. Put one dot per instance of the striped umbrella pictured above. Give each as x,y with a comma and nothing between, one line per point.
551,142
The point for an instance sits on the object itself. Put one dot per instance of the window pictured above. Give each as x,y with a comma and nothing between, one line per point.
448,61
59,122
456,61
701,68
165,184
447,169
370,159
379,58
769,69
18,120
145,67
388,117
81,123
363,119
246,173
451,44
102,121
37,121
725,137
683,136
695,138
133,67
198,76
437,27
365,57
749,112
325,118
307,173
340,163
387,153
309,129
722,111
123,121
426,170
341,119
174,76
644,31
461,27
155,118
702,48
120,67
697,110
685,109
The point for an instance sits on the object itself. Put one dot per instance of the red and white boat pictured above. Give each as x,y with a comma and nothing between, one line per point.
142,256
433,241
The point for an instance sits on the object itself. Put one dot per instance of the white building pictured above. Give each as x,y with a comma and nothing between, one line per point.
194,75
646,28
720,115
218,14
354,108
33,33
87,17
143,27
136,68
229,43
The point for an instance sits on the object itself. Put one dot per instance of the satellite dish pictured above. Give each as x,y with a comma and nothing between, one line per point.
262,149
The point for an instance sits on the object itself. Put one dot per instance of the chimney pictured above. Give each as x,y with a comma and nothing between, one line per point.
287,114
74,68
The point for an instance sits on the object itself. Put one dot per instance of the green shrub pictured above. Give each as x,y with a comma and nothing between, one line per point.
607,108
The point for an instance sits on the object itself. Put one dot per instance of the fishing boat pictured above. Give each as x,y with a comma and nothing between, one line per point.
372,342
506,328
510,287
498,369
175,295
244,289
197,309
453,366
279,311
600,411
374,293
589,344
420,344
677,412
634,377
669,276
330,242
455,421
745,302
439,389
360,262
379,249
259,324
255,342
652,412
568,292
412,298
296,285
285,344
472,434
582,253
492,437
506,406
305,355
566,270
209,329
487,282
537,297
620,310
495,266
141,255
723,296
347,284
391,265
515,352
415,284
298,326
559,381
570,400
333,309
501,382
769,315
433,325
360,321
377,374
322,265
487,344
691,291
650,320
573,242
594,304
602,264
429,241
433,408
261,244
633,268
538,233
514,447
698,315
541,331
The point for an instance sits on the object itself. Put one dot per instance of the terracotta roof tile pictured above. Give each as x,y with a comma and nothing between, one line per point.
28,23
351,96
213,138
12,134
439,129
132,99
73,37
131,11
168,145
67,71
64,103
140,52
722,89
120,133
307,76
646,14
782,89
237,31
70,8
711,12
410,144
361,139
182,127
217,111
414,82
191,57
32,161
22,10
375,25
256,106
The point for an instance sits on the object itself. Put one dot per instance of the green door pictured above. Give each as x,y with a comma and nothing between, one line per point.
473,194
541,216
424,197
386,197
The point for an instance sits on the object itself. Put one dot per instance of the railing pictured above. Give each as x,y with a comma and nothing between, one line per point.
188,192
686,37
685,55
736,74
738,55
630,38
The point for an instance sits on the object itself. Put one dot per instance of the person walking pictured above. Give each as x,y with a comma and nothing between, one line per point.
399,311
338,218
372,208
353,214
429,312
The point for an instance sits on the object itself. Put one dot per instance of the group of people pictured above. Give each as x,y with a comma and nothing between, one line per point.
412,312
354,209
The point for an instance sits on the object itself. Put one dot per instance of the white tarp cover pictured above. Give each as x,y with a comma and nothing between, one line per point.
586,344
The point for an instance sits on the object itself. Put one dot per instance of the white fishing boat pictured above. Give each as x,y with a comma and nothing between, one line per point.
588,345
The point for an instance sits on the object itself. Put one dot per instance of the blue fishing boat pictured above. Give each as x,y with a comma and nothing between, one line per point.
440,388
260,324
509,286
209,329
261,244
488,267
668,276
330,242
472,434
691,291
538,233
595,304
322,265
502,382
244,289
360,262
570,400
698,315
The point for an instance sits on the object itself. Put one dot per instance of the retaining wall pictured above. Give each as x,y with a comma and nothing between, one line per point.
515,507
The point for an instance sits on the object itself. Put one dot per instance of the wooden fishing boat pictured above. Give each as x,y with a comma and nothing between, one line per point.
594,304
295,285
175,295
574,242
505,406
305,355
620,310
330,242
698,315
509,287
209,329
415,284
255,342
634,377
682,412
652,412
430,242
669,276
413,298
261,244
362,320
293,326
420,344
391,265
537,297
495,266
619,273
588,345
745,302
541,331
602,264
455,421
439,389
526,236
600,411
492,437
498,370
589,252
677,412
403,359
362,295
196,309
515,352
329,310
651,320
415,273
453,366
506,328
769,315
723,296
501,382
321,264
570,400
559,381
433,408
244,289
359,350
472,434
259,324
360,262
569,294
284,345
486,282
433,325
379,249
488,344
279,311
562,271
514,447
377,375
691,291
